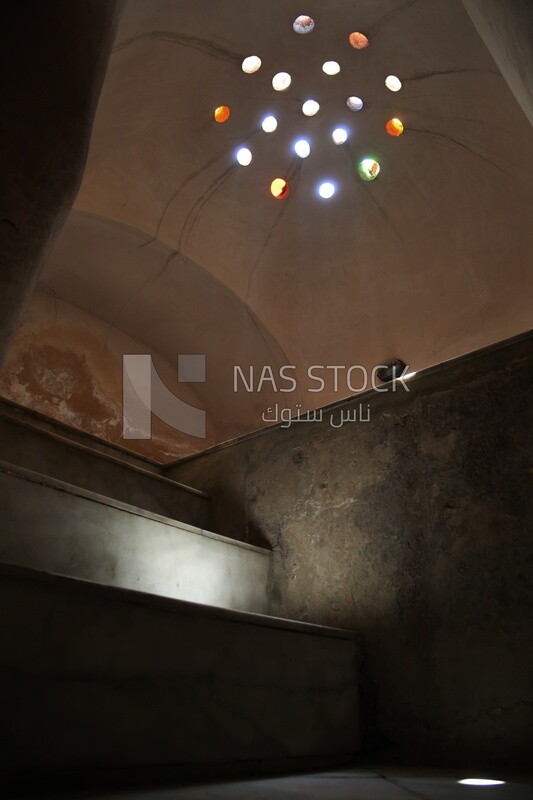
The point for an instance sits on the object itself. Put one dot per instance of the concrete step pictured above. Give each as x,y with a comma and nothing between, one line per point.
53,526
98,678
43,445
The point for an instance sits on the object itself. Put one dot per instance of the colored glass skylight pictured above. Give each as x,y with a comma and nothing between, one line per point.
279,188
303,24
222,114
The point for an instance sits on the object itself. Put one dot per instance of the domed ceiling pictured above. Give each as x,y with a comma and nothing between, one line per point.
175,248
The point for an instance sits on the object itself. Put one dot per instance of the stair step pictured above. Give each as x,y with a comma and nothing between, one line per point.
133,681
50,525
37,443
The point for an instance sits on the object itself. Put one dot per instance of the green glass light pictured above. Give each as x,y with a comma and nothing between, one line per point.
368,169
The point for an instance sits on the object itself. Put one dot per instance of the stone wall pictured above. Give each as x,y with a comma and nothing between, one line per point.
413,530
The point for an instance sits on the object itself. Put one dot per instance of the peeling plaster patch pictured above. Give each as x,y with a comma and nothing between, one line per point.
61,369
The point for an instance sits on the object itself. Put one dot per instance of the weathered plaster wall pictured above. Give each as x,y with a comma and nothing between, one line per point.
413,530
67,364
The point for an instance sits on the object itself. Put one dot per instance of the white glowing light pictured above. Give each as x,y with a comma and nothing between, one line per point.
310,108
409,375
480,782
326,190
303,24
244,156
354,103
339,135
331,67
269,124
281,81
251,64
302,148
393,83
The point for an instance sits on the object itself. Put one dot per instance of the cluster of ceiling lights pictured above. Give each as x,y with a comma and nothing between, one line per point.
368,168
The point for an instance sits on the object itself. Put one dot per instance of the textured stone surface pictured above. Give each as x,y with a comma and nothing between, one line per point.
414,529
96,677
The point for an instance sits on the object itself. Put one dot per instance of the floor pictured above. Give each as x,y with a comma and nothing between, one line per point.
348,784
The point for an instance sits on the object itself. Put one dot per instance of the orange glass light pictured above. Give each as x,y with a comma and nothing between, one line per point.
279,188
222,114
394,127
358,40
